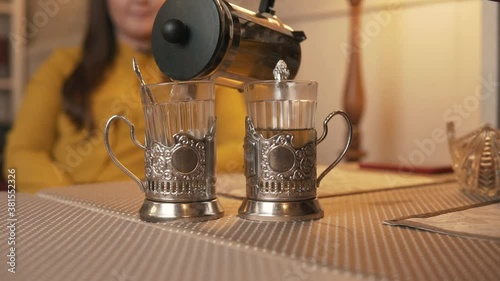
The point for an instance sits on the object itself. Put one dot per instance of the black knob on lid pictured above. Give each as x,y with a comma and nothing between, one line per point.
175,31
187,36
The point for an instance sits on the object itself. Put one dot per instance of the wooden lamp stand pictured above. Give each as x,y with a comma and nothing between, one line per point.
354,100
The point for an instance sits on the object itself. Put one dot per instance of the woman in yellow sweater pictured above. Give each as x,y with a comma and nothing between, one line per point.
57,137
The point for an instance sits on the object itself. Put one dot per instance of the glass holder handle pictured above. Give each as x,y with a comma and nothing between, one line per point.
110,151
323,136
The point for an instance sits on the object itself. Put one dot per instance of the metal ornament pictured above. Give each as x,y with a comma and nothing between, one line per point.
476,159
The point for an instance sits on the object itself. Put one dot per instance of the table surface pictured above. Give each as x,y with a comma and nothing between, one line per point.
92,232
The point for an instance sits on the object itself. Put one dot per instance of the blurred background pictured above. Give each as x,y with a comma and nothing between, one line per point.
423,63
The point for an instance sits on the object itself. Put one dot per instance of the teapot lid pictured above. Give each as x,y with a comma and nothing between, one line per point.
186,37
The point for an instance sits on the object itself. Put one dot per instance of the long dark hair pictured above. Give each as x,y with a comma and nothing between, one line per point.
98,52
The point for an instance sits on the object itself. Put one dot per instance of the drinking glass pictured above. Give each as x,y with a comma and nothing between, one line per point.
280,150
179,151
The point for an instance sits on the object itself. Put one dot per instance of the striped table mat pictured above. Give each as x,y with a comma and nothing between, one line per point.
351,240
61,241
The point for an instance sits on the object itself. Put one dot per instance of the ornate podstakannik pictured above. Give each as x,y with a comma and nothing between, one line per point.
183,171
276,170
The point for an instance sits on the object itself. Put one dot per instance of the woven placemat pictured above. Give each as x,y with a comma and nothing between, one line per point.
344,179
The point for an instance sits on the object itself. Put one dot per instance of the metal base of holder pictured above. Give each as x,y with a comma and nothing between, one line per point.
281,211
154,211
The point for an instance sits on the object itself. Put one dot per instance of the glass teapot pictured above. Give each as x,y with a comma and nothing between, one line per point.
476,159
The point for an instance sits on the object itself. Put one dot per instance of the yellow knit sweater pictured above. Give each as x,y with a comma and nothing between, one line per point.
47,150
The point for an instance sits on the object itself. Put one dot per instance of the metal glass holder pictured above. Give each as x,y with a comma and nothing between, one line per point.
180,179
280,179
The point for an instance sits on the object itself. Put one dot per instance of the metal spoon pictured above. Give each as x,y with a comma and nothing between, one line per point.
137,71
